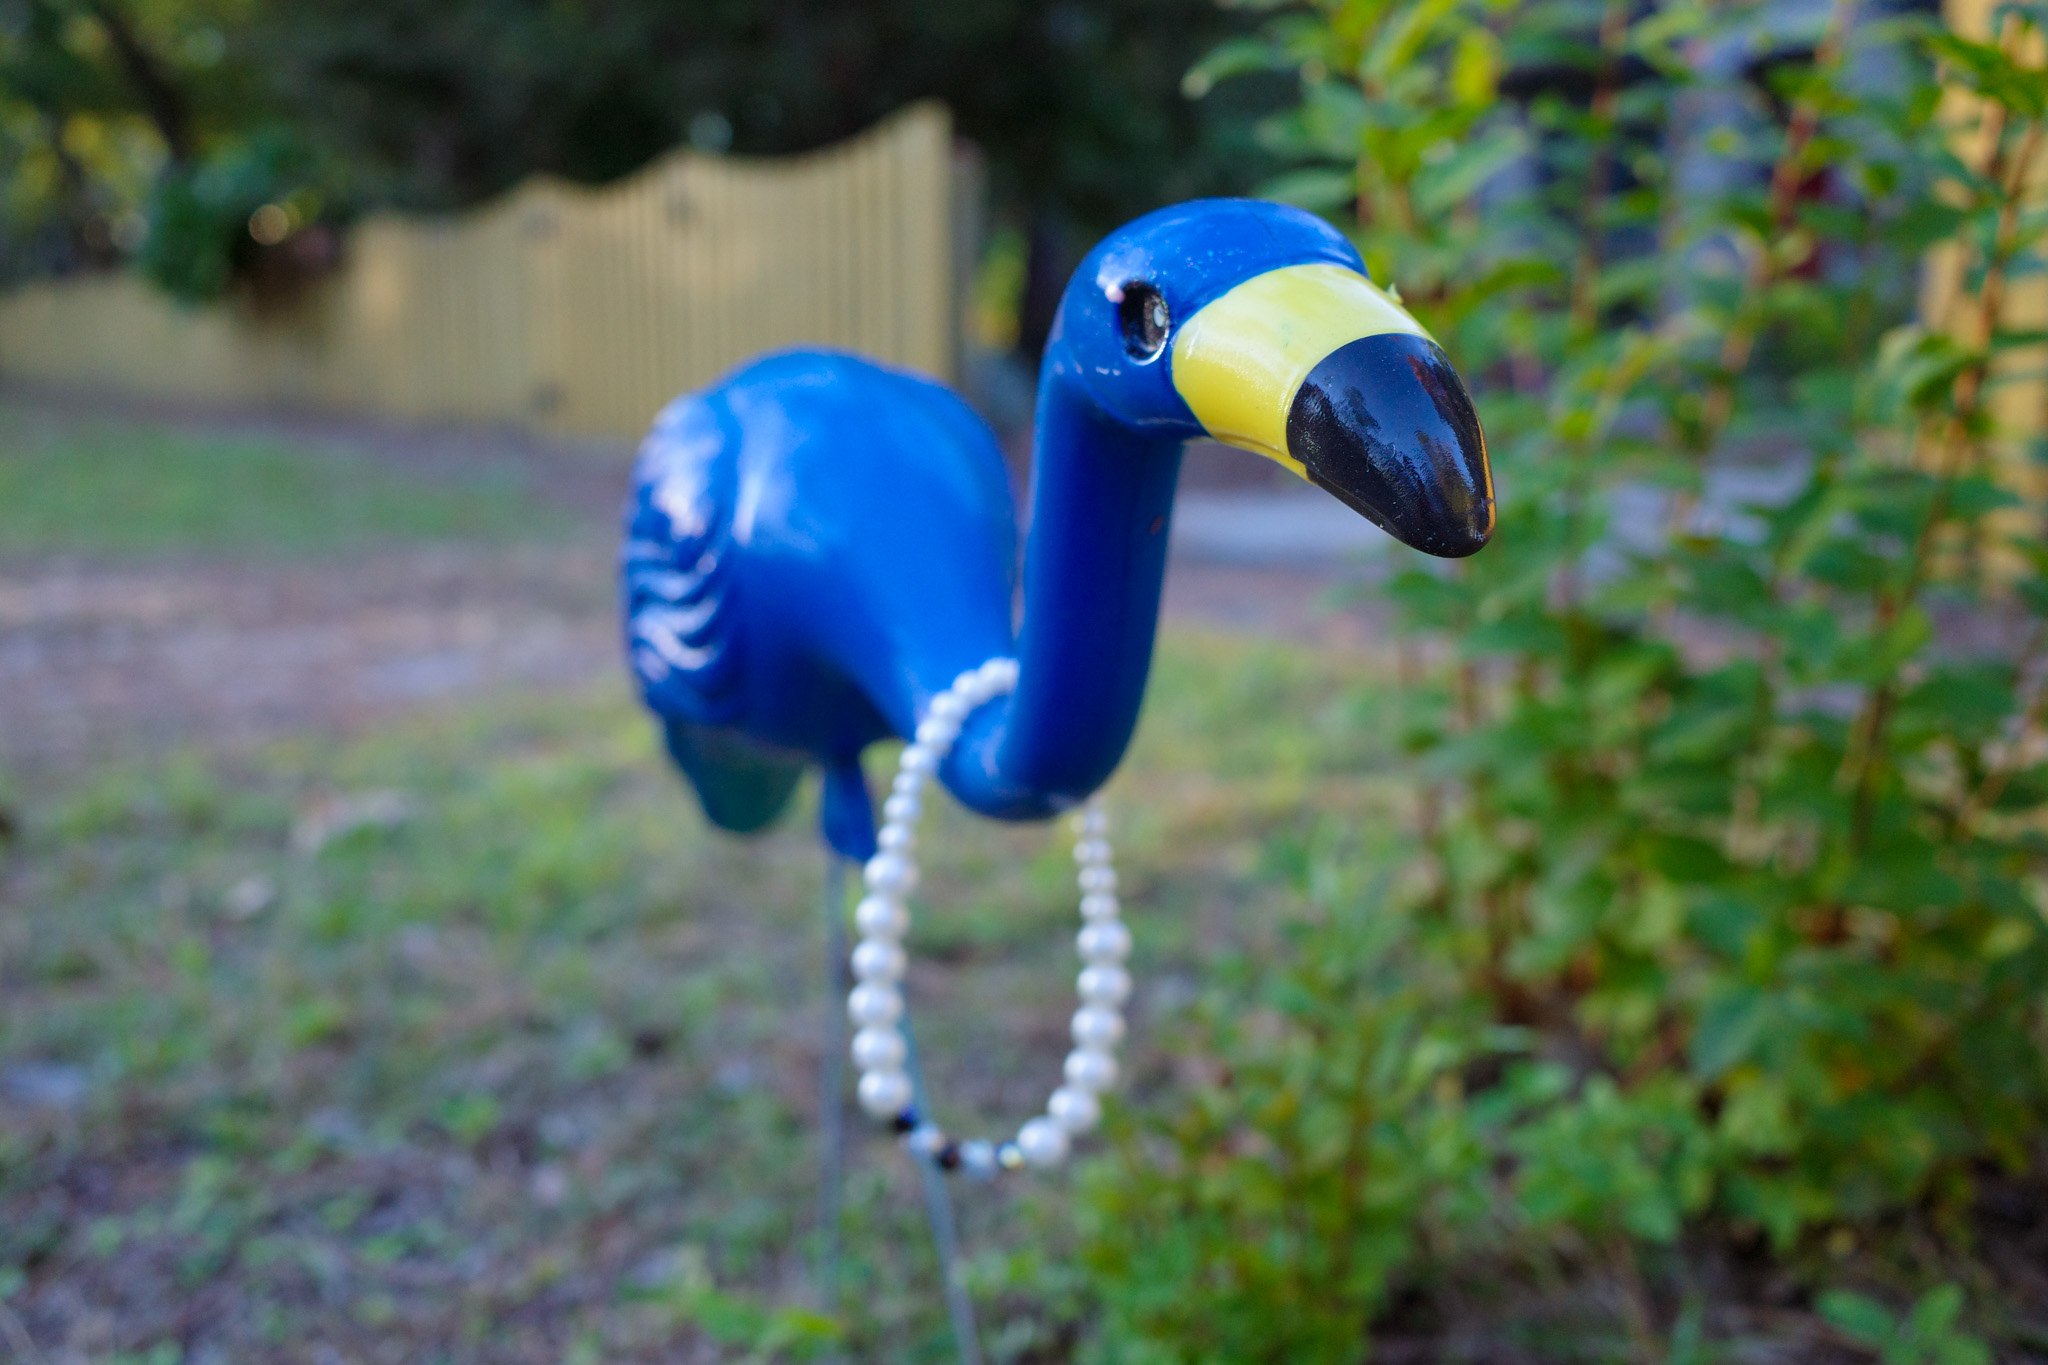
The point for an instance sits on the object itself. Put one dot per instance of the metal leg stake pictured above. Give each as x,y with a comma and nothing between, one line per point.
832,1087
938,1210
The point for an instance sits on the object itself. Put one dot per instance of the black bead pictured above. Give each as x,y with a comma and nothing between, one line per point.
904,1121
949,1157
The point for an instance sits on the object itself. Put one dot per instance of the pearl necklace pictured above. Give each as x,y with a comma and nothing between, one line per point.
880,1051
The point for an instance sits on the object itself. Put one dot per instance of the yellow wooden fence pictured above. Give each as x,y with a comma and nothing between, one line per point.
576,309
2018,399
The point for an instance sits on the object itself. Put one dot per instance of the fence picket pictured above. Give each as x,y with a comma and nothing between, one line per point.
577,310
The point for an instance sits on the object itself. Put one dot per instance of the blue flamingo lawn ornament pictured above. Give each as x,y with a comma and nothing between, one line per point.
821,553
818,545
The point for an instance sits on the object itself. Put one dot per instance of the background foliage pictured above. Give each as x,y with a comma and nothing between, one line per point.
1701,1009
1074,104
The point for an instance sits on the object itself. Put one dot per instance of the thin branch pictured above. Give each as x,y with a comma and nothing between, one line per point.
1787,176
1614,24
160,97
2001,773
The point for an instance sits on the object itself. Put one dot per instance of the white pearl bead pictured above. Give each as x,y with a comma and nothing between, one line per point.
879,1048
885,1094
1043,1142
878,959
1090,1069
1105,942
936,733
1074,1110
1098,1028
978,1158
881,917
999,675
1103,985
872,1004
1099,905
890,873
1092,853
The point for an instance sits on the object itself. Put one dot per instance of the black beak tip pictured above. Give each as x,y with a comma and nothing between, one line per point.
1386,425
1460,537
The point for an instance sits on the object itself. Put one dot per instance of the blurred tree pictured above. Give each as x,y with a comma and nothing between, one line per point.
50,78
97,98
1077,105
249,210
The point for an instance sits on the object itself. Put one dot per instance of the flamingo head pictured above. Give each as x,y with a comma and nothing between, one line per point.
1256,324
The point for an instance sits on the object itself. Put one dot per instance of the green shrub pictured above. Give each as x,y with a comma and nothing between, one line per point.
1709,974
200,216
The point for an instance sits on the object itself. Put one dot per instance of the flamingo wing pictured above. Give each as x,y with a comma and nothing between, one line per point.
677,573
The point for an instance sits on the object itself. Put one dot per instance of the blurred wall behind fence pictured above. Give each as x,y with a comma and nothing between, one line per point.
579,310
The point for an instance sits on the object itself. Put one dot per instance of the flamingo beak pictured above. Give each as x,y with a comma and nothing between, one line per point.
1318,369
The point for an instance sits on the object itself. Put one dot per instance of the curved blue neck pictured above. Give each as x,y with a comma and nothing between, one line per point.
1094,564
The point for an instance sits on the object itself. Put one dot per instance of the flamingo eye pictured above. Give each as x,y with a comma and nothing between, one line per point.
1145,321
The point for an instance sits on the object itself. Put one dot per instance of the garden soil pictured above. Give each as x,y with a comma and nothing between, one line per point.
101,659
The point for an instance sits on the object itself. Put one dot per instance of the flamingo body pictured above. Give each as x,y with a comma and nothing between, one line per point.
806,540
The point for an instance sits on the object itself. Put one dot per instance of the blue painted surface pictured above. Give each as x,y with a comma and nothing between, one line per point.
816,545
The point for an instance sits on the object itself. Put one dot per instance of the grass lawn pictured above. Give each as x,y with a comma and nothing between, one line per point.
102,487
467,1041
523,1067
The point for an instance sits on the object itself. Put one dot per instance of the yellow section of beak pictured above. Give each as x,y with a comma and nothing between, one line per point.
1239,361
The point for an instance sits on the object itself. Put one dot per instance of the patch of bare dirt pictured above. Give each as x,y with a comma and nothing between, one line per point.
98,659
95,658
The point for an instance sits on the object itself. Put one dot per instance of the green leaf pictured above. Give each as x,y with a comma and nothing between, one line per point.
1991,72
1929,1331
1915,370
1444,186
1729,1026
1862,1320
1475,67
1317,189
470,1118
1976,494
1521,633
1936,1312
315,1020
1968,701
1236,57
